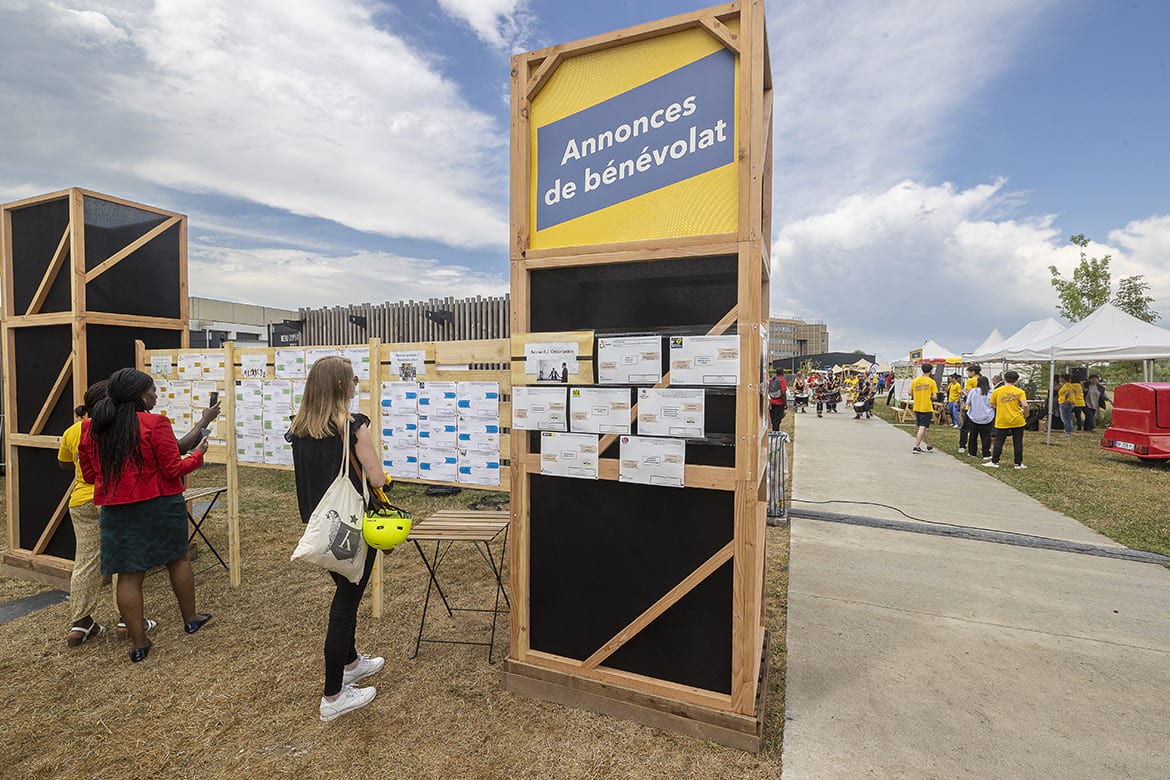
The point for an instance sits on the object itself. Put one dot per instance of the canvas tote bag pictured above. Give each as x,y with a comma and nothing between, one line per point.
333,536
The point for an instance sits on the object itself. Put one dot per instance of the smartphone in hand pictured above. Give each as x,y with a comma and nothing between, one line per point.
214,398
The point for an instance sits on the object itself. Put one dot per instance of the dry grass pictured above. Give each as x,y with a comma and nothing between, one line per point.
1117,495
239,699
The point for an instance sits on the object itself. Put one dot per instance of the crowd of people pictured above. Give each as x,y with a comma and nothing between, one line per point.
823,390
129,517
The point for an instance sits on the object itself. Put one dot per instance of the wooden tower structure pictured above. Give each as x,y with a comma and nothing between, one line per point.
84,276
640,206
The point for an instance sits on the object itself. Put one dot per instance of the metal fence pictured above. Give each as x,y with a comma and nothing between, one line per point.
437,319
777,475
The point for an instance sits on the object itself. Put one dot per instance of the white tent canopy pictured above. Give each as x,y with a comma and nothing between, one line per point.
933,352
1106,334
993,340
1033,332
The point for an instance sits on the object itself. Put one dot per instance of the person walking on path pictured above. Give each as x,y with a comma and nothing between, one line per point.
1011,410
1095,400
318,448
980,416
132,459
777,398
1070,397
923,390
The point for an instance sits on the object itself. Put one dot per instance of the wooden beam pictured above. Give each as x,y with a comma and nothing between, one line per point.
54,396
40,320
130,248
59,514
38,300
135,321
543,73
669,599
634,251
720,32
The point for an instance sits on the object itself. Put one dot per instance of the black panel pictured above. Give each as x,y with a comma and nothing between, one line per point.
110,347
602,552
690,643
40,354
36,231
42,484
146,283
683,297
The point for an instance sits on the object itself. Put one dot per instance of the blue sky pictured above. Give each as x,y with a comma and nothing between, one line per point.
932,158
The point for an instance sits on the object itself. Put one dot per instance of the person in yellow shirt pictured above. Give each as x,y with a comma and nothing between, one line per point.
85,585
973,374
1071,400
954,396
1011,411
923,390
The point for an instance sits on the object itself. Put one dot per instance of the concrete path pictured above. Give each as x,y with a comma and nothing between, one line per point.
925,656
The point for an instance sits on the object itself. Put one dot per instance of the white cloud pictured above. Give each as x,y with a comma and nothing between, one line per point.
304,106
316,280
890,269
501,24
865,92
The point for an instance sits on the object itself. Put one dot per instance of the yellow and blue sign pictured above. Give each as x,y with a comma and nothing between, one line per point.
636,142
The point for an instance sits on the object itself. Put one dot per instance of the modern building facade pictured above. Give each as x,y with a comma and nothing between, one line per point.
790,337
213,322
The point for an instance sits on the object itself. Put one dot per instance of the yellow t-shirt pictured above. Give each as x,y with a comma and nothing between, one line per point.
1071,392
1008,402
971,383
954,390
923,389
82,490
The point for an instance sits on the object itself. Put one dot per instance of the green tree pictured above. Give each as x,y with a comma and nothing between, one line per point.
1091,285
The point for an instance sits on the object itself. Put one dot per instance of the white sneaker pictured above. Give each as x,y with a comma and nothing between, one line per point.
990,464
1022,466
962,449
349,699
367,666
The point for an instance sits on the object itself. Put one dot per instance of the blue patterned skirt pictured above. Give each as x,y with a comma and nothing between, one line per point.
142,535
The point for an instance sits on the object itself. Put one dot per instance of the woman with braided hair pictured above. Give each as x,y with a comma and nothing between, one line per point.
132,459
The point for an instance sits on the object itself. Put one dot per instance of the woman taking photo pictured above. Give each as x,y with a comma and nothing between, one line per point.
318,449
132,459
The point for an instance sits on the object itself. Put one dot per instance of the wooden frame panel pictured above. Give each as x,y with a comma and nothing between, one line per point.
74,373
539,673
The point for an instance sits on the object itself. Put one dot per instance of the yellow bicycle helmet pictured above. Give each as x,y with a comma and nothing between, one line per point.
386,527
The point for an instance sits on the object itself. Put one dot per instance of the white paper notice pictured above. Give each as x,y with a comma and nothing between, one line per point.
478,399
400,462
290,363
479,468
313,355
160,365
599,409
471,438
437,432
435,465
568,454
253,366
190,365
360,358
174,392
550,362
213,366
399,398
635,360
400,431
672,412
704,360
201,394
650,461
437,399
539,408
408,365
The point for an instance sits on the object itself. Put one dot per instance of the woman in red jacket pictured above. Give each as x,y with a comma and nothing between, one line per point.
132,459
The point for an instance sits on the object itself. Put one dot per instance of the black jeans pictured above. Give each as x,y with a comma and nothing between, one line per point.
340,647
965,432
776,411
977,434
1017,435
1090,418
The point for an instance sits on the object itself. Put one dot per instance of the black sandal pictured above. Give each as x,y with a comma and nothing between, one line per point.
140,653
197,623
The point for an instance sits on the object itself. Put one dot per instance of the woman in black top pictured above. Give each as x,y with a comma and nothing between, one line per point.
317,448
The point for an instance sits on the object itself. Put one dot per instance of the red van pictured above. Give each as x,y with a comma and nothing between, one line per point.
1141,420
